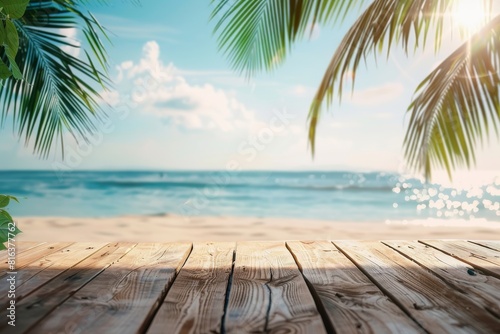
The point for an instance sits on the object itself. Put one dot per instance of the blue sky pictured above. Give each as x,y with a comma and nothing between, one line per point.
178,105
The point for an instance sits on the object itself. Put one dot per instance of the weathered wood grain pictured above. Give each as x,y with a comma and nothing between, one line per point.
432,303
482,288
20,247
36,253
268,293
67,288
195,302
492,244
23,246
41,302
122,298
34,275
482,258
352,302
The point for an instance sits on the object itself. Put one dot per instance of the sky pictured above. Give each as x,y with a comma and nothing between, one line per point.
177,104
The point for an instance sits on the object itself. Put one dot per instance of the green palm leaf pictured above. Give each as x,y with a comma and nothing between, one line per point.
257,34
384,21
59,91
456,105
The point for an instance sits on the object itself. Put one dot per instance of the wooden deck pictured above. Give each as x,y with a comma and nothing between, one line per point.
422,286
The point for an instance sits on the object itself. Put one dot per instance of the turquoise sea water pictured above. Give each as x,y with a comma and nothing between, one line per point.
340,196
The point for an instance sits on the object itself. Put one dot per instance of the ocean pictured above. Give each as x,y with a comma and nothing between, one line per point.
336,195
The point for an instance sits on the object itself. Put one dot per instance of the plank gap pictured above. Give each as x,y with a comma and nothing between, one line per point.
454,273
97,250
486,244
36,253
228,292
484,263
57,258
317,299
21,247
292,308
432,272
41,303
384,290
270,299
150,317
195,302
493,313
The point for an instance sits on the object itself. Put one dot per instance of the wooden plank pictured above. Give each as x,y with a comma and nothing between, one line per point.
35,253
268,293
39,272
20,247
433,304
195,302
41,302
122,298
38,252
477,256
487,243
485,290
23,246
352,302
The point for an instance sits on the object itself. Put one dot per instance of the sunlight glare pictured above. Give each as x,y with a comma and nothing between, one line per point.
470,14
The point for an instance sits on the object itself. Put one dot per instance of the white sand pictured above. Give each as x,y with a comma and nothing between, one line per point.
168,228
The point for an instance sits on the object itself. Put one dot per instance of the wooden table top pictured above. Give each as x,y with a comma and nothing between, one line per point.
425,286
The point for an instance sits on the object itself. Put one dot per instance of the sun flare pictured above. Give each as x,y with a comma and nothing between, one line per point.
470,14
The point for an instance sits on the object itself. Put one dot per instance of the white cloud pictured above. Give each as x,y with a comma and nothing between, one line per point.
301,91
348,76
382,115
313,31
376,95
342,125
163,91
71,37
363,97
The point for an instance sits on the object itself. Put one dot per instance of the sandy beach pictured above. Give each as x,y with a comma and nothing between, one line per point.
169,228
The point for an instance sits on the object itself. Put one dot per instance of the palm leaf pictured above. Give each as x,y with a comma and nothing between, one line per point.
257,34
456,105
57,94
384,21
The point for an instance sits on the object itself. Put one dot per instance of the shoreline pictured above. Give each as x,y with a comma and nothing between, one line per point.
171,228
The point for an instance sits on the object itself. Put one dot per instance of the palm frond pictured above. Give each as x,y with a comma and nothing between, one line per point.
384,21
257,34
456,105
59,92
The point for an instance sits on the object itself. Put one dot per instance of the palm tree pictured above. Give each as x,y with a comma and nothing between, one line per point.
45,88
453,108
